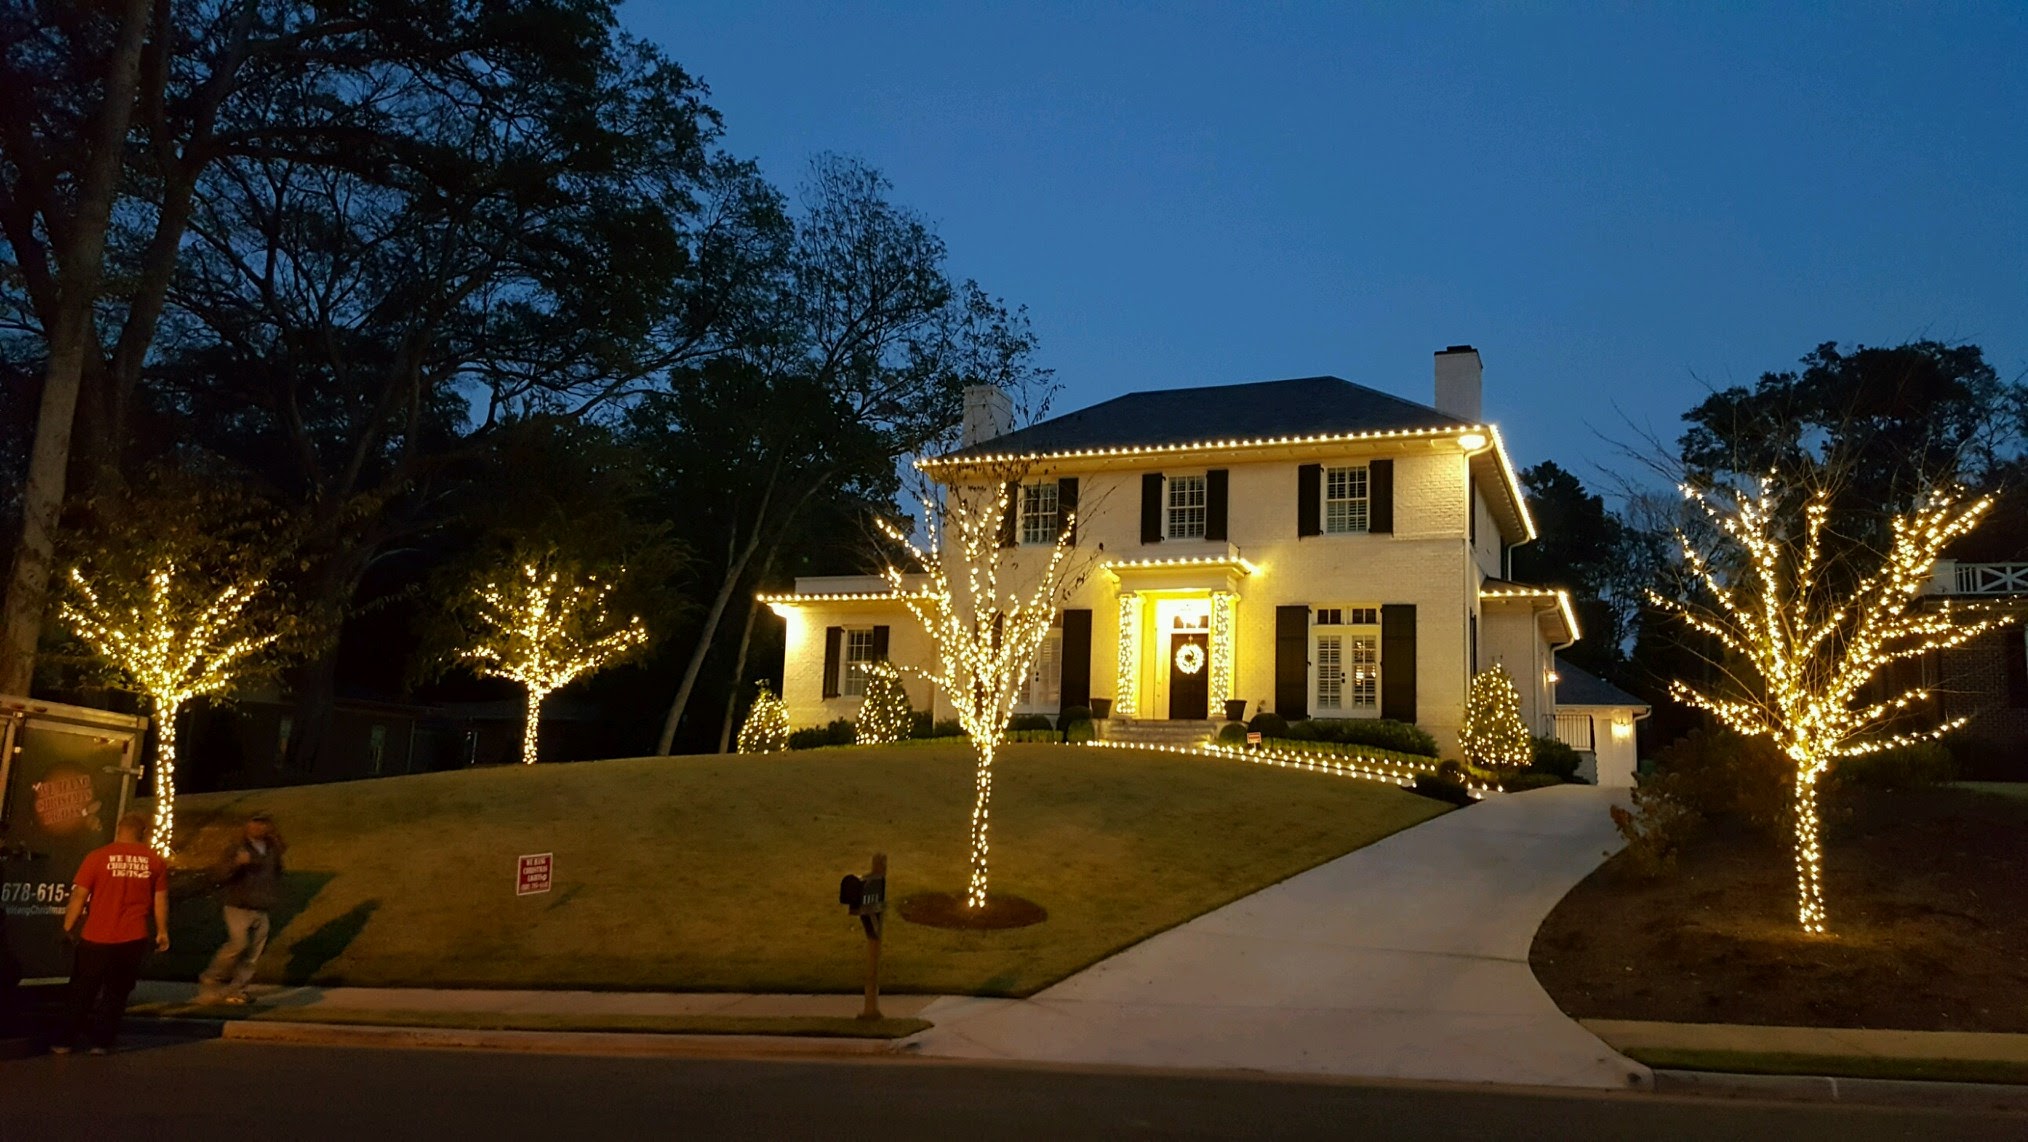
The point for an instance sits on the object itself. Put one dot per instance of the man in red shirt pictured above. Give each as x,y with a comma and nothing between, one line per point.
117,887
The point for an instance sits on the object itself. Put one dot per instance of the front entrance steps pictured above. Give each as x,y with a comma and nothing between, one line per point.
1155,731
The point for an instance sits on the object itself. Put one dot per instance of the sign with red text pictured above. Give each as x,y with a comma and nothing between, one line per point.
532,873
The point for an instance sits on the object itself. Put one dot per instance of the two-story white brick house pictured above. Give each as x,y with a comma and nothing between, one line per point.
1312,547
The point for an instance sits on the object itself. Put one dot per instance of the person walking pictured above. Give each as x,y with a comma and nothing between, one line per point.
251,872
115,889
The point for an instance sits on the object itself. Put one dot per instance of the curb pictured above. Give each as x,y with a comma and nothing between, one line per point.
1823,1088
549,1042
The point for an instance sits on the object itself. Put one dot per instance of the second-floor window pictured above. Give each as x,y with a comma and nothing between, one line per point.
1187,504
858,656
1345,500
1040,518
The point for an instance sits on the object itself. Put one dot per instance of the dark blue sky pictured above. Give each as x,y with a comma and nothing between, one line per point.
1615,204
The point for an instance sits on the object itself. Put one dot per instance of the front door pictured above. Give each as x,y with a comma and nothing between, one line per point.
1189,676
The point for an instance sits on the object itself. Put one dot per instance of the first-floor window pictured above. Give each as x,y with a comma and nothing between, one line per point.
1039,514
1346,660
858,656
1044,686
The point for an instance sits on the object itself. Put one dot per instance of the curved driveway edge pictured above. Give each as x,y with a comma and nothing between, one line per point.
1406,959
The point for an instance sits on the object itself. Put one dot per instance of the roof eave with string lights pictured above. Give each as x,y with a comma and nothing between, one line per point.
1556,595
1474,440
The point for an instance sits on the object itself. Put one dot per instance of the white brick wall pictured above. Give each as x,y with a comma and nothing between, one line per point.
1428,562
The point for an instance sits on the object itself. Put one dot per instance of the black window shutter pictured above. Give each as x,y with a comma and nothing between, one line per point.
1066,503
1380,496
1292,662
1397,661
1214,503
1310,499
1010,522
1151,508
880,644
1076,685
2015,642
834,647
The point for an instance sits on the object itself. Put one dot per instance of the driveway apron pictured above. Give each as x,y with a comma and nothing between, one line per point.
1406,959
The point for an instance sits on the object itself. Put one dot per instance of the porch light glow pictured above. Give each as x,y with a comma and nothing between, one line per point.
1472,441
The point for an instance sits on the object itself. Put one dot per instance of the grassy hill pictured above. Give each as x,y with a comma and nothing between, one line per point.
721,873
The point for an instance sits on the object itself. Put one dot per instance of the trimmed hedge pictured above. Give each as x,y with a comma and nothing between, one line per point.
839,731
1072,715
1386,733
1443,789
1555,758
1232,733
1522,782
1269,724
1024,722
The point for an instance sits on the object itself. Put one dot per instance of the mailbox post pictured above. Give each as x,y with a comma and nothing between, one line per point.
867,899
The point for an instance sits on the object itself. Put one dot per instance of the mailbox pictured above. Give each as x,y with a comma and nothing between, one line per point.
866,898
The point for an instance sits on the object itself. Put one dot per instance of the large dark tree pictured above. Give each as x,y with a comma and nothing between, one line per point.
1582,549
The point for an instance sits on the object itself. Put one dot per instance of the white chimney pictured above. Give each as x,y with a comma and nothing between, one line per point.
989,412
1458,382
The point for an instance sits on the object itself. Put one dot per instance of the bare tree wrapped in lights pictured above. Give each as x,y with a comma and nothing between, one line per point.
1801,644
546,624
987,612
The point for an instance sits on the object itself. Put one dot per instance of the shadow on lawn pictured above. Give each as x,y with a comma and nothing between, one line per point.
309,954
197,925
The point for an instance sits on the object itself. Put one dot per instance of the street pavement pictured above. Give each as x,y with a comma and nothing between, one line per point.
207,1090
1407,959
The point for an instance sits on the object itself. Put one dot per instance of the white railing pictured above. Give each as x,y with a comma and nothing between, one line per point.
1574,730
1990,579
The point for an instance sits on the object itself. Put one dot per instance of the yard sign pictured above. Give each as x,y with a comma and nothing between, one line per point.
531,873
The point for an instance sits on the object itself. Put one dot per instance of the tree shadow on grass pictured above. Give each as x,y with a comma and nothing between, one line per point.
313,950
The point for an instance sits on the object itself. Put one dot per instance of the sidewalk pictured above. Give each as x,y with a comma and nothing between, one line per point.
1406,959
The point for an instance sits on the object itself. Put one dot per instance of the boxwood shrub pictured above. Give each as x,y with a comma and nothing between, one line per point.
1386,733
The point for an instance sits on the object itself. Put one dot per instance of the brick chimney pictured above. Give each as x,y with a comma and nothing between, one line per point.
989,412
1458,382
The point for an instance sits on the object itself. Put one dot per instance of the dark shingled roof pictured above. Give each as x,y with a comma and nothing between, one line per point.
1575,687
1307,406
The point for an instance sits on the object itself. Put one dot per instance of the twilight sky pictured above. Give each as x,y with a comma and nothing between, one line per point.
1617,204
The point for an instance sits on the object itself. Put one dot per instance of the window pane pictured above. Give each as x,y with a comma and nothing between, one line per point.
1186,507
858,656
1038,513
1330,672
1345,500
1365,675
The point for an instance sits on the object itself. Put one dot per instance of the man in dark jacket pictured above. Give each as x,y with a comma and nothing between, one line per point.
251,873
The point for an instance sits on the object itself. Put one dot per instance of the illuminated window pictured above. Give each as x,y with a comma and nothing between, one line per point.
858,656
1186,507
1346,660
1345,500
1040,520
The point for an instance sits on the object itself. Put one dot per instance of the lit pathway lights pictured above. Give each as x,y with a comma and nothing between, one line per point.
1802,650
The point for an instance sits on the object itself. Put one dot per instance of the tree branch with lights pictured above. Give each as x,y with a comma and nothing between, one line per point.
172,590
1801,640
987,612
546,624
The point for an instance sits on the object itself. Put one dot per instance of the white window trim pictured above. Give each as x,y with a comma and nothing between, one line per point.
1347,631
1042,690
1169,480
1024,516
1324,500
845,661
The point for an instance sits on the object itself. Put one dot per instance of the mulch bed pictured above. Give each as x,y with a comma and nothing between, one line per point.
947,910
1928,898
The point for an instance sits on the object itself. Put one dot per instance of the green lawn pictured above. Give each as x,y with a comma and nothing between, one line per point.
721,873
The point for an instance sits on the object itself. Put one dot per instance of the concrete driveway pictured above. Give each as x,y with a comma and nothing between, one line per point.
1406,959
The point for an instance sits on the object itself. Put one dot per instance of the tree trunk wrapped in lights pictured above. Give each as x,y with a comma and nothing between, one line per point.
885,714
172,637
1800,648
545,628
767,724
986,634
1495,734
